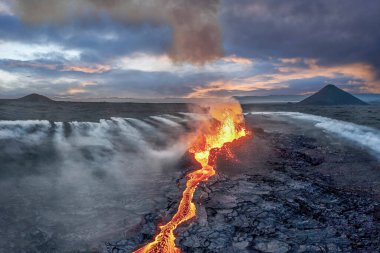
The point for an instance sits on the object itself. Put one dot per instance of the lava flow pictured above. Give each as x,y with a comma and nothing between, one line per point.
227,125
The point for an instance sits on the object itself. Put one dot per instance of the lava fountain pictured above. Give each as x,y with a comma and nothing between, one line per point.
226,125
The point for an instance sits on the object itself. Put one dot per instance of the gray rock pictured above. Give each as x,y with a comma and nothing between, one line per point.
273,246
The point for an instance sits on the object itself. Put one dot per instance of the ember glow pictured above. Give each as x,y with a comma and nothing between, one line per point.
226,126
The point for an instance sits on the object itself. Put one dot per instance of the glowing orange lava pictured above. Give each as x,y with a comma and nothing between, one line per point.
227,125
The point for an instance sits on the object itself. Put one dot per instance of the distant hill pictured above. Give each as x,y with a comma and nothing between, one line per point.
331,95
36,98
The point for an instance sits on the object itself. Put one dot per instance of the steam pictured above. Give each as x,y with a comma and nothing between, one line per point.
166,121
32,131
195,27
85,182
365,136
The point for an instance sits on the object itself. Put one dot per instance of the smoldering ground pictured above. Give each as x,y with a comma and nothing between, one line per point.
72,185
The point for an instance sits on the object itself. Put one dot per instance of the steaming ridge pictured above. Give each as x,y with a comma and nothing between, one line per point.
366,136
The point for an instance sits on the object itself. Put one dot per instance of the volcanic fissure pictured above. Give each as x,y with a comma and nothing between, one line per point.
226,126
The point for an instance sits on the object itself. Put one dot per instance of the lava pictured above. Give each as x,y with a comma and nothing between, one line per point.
226,126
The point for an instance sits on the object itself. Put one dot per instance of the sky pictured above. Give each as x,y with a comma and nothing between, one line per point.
187,48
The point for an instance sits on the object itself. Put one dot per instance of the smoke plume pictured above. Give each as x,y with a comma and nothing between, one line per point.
194,24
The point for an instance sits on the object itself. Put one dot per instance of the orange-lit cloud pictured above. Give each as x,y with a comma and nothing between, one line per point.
290,60
245,84
237,59
98,68
285,74
361,71
81,88
75,91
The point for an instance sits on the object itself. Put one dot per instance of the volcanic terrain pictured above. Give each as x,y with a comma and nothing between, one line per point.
291,188
306,179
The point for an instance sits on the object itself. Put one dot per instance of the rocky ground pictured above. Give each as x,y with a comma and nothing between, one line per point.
293,207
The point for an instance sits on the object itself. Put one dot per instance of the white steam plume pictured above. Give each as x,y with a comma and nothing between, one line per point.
366,136
84,180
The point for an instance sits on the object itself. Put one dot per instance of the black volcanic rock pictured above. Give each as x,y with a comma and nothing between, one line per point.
331,95
291,208
35,98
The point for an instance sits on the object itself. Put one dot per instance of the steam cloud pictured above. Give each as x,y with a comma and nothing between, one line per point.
196,32
66,179
366,136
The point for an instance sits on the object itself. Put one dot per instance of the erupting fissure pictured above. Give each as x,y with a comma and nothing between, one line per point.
226,126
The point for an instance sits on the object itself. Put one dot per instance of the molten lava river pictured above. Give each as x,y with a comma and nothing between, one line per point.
226,126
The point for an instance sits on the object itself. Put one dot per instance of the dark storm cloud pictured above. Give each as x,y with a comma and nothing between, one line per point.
196,34
333,31
99,41
51,79
153,84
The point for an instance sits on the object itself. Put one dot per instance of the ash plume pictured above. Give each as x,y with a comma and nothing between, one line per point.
195,27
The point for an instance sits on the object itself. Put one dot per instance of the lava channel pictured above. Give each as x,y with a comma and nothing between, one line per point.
228,127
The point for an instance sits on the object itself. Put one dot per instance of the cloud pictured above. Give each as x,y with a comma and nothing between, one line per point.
88,83
237,60
196,35
28,64
81,88
75,91
359,74
163,63
331,31
147,62
59,67
5,8
79,40
24,51
226,88
7,78
358,71
97,68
